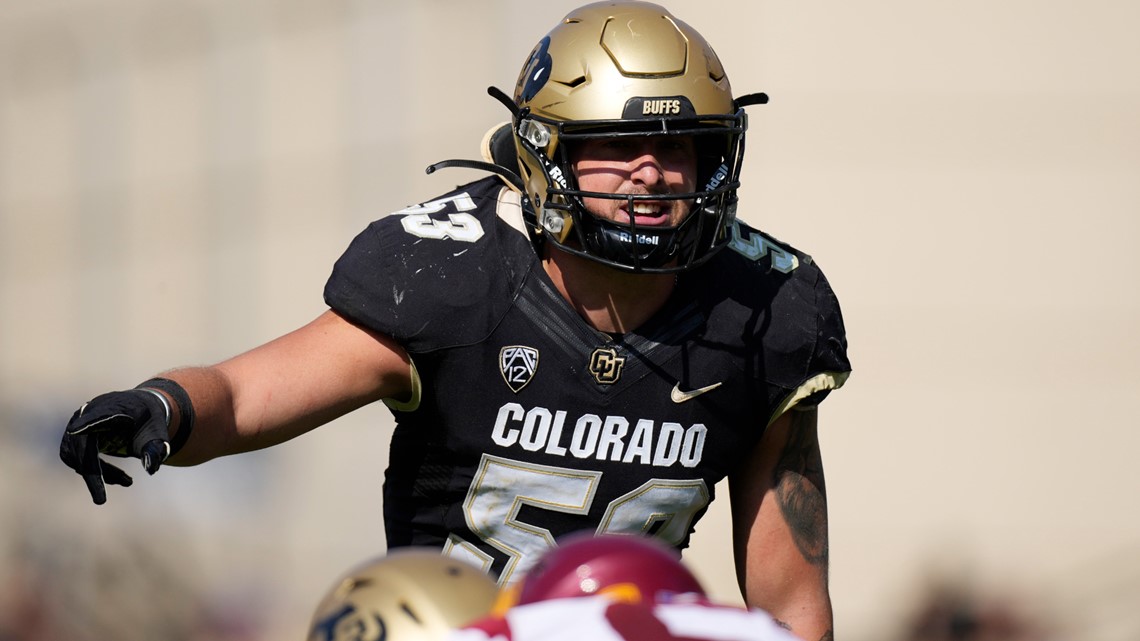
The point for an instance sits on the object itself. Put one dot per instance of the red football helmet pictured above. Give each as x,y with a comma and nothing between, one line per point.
627,567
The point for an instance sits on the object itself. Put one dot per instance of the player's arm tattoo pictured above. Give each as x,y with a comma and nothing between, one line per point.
798,479
827,636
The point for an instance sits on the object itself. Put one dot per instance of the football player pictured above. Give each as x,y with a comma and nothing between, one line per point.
411,594
617,587
587,339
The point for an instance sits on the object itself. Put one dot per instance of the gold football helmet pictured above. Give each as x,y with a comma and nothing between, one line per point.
411,594
627,69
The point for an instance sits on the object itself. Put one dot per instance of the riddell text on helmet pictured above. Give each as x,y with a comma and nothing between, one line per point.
614,438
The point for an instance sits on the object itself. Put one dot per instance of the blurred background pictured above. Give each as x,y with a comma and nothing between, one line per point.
177,178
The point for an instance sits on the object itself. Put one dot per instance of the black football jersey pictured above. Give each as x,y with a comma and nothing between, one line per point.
528,423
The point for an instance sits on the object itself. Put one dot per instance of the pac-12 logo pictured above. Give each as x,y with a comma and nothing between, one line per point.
517,364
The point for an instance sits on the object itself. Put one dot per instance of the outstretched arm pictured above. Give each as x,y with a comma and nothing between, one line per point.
265,396
779,514
287,387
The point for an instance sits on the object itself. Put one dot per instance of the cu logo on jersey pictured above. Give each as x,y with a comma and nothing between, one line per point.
605,365
517,364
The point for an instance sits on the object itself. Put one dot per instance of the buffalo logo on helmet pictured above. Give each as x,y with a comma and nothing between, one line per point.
349,623
536,72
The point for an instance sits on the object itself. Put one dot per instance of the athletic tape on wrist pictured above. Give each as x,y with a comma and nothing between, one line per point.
185,409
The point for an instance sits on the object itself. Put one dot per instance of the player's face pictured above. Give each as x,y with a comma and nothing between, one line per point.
637,165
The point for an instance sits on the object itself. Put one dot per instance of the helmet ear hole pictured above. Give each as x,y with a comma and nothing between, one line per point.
499,146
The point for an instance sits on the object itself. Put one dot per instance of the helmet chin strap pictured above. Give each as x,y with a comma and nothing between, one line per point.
639,247
646,250
629,246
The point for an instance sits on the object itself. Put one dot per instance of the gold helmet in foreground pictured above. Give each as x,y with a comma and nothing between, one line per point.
411,594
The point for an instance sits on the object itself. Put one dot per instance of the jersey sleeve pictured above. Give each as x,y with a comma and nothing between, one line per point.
815,361
429,276
829,365
793,324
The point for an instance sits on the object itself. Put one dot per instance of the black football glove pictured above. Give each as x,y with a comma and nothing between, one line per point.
133,422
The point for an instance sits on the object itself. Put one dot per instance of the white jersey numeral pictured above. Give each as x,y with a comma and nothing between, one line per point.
462,227
417,220
671,503
756,247
501,487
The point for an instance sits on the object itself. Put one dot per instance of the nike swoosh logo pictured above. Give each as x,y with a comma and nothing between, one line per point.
678,396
